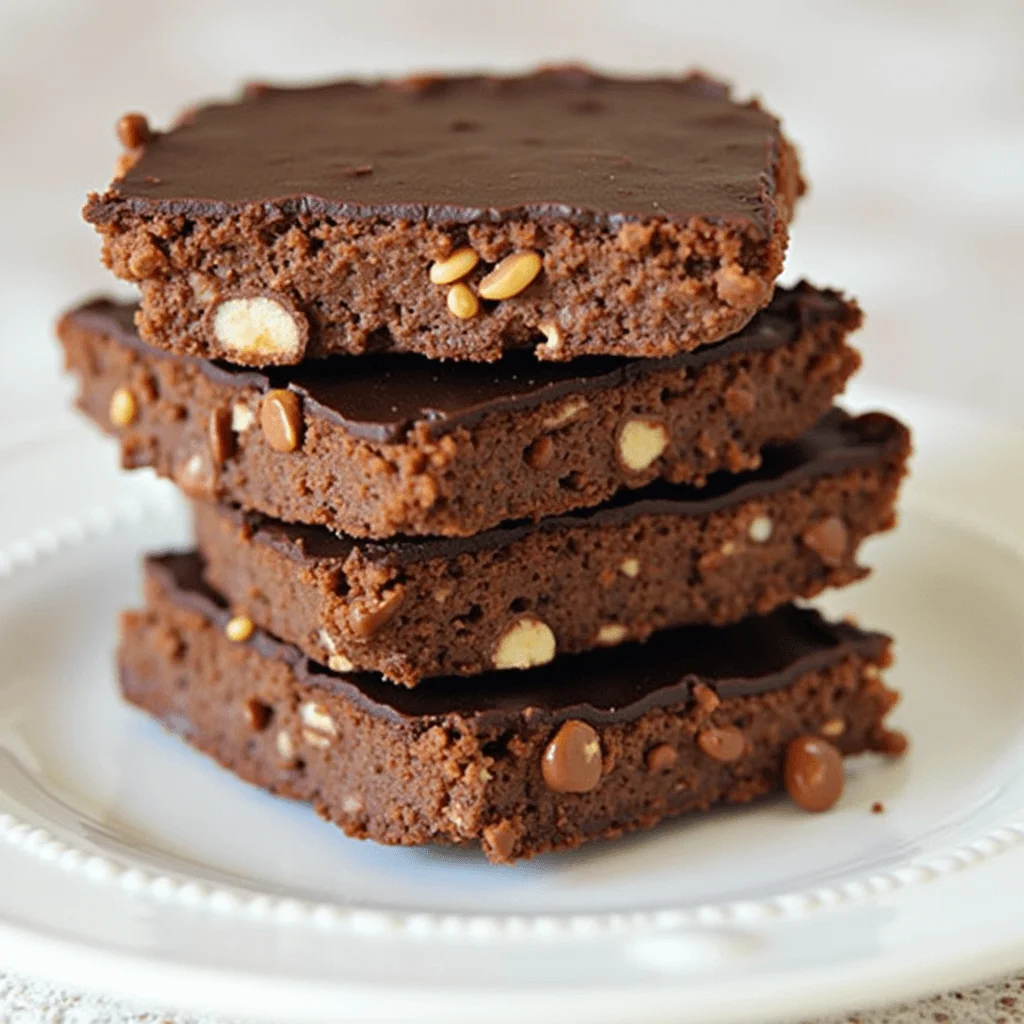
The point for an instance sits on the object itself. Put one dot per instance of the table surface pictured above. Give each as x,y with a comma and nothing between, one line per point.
909,115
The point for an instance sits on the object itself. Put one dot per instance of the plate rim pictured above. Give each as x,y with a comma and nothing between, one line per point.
30,839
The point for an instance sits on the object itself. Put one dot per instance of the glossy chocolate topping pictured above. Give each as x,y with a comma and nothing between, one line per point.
618,684
561,144
838,442
381,397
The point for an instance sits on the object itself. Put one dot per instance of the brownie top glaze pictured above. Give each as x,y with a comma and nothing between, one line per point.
558,144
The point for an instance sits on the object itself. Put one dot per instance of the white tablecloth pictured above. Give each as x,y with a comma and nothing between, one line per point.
909,114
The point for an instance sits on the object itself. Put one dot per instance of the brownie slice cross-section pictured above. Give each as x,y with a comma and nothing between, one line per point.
515,596
563,211
589,746
382,445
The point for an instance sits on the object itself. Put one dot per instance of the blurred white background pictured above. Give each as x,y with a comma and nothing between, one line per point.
909,115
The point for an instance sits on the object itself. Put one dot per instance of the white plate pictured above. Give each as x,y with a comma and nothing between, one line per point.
131,865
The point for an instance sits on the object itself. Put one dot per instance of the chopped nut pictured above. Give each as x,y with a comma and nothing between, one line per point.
314,716
242,417
454,267
352,804
285,747
760,529
833,727
725,744
196,476
630,567
611,633
740,400
500,840
258,329
554,339
540,453
641,443
367,617
828,539
222,440
737,288
281,420
462,302
661,758
315,739
728,549
123,408
525,643
239,628
339,663
133,130
569,411
202,290
871,672
513,274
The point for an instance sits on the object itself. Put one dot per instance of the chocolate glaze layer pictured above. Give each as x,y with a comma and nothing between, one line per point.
382,397
837,443
620,684
561,143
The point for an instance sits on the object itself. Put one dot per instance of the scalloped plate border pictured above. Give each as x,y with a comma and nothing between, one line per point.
170,887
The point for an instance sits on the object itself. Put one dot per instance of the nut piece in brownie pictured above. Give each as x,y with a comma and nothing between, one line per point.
593,745
563,212
384,445
513,597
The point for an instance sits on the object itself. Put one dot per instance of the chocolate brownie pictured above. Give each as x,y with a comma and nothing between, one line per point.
525,762
562,211
385,445
513,597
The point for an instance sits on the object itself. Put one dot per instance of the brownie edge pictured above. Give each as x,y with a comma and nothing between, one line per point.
427,767
604,216
389,445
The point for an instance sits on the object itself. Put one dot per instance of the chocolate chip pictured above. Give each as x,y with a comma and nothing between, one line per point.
133,131
813,773
281,420
196,475
726,744
222,438
828,539
572,760
661,758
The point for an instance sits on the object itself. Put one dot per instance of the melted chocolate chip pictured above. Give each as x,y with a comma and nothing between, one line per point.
828,539
281,420
813,773
726,744
572,760
680,147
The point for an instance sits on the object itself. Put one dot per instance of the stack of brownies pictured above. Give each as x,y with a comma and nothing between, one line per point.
508,459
